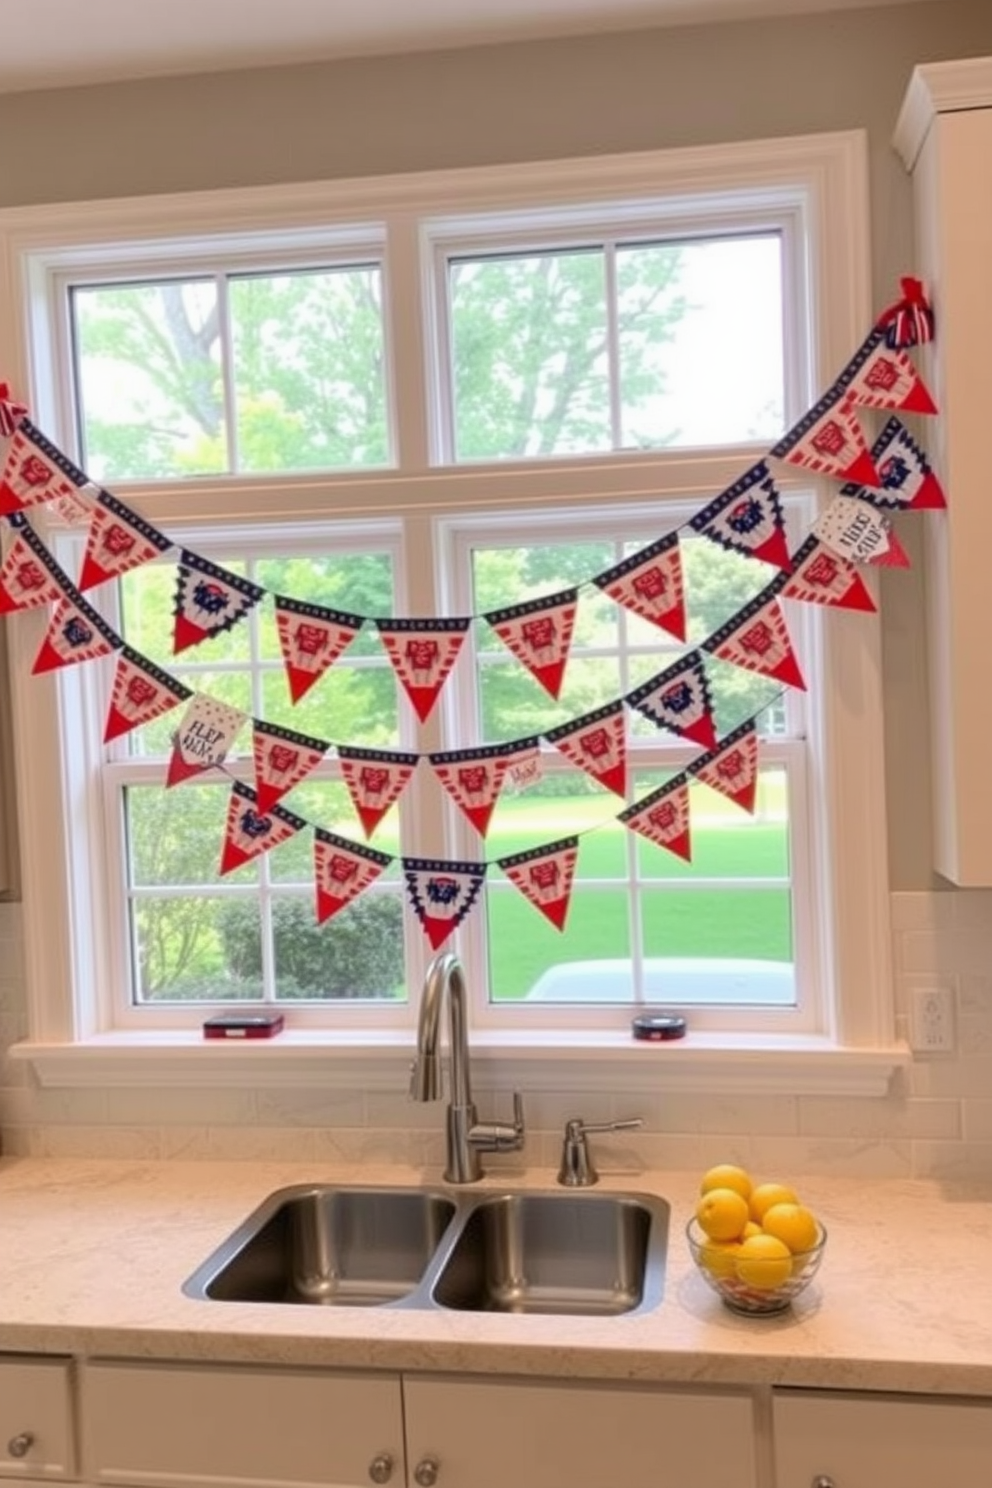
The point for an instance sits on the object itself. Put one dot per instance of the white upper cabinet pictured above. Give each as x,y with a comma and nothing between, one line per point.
944,136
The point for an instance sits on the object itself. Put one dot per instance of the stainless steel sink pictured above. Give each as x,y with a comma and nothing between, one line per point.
340,1247
596,1255
557,1251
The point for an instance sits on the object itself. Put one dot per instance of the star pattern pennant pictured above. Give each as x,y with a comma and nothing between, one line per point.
906,475
282,758
75,633
597,744
663,817
650,583
747,518
208,600
29,575
539,633
311,638
141,691
732,769
757,639
342,871
881,376
35,471
249,832
376,778
474,778
678,699
422,653
821,575
544,875
442,893
118,541
830,441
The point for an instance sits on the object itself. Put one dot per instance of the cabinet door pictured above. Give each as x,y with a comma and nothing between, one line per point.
870,1441
535,1434
173,1424
35,1419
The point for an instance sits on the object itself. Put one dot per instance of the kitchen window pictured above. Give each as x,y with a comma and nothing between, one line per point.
433,397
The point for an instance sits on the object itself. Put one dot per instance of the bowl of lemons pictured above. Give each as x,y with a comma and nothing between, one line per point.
757,1245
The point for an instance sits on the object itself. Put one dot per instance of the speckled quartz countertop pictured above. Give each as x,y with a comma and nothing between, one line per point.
93,1256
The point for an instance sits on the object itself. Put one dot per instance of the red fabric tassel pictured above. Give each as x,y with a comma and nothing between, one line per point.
11,412
909,322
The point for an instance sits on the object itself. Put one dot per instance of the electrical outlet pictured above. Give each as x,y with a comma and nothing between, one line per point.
931,1023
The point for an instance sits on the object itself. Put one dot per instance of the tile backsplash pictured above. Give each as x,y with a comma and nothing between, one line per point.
935,1121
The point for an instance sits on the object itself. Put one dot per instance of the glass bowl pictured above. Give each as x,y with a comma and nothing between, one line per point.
718,1270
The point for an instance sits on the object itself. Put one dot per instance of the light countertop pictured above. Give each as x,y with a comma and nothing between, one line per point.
93,1256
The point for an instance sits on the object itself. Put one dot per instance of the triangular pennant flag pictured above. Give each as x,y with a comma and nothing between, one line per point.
859,532
539,633
747,518
208,600
250,832
282,759
906,476
311,638
118,540
474,778
422,653
375,779
442,893
679,699
909,322
544,875
141,692
894,555
11,411
342,871
879,376
733,768
75,633
35,471
650,583
205,735
831,441
597,744
757,639
663,817
29,575
822,576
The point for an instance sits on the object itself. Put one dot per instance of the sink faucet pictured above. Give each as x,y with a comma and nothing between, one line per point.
466,1135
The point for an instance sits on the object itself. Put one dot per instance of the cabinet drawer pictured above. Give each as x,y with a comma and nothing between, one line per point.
169,1424
489,1435
35,1419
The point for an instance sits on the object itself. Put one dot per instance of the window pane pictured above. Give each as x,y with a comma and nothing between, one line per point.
309,370
529,355
150,390
700,333
196,948
357,954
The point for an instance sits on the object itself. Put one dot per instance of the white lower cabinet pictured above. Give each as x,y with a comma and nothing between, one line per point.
831,1439
36,1436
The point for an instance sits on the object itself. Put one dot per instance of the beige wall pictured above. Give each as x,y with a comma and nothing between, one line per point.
638,90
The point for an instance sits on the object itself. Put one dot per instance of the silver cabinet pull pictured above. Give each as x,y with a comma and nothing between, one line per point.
20,1445
381,1468
426,1471
822,1481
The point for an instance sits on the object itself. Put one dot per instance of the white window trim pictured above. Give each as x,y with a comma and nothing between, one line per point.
859,1051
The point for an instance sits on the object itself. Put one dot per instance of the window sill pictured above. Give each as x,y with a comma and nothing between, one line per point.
702,1063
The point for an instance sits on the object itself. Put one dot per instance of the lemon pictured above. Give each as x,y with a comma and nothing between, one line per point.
727,1175
721,1214
751,1228
793,1224
765,1195
718,1256
763,1262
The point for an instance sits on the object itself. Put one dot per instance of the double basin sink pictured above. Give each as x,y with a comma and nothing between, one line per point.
560,1252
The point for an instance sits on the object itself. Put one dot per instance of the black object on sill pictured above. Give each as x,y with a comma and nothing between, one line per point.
658,1028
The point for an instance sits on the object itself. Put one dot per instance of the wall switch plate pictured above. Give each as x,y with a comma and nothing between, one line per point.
931,1020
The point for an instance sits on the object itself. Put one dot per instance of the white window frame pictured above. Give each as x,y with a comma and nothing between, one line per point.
856,1048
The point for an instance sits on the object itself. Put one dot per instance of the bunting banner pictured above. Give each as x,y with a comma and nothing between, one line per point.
733,768
375,778
342,871
282,758
35,471
678,699
544,875
597,744
141,691
442,893
650,583
757,639
474,778
747,518
539,633
879,376
29,575
118,540
250,832
859,532
663,817
205,736
422,653
829,440
208,600
75,633
311,638
12,413
907,478
820,575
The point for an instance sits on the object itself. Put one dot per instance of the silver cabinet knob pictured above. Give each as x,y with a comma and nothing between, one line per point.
20,1445
381,1468
426,1471
822,1481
